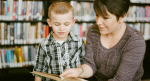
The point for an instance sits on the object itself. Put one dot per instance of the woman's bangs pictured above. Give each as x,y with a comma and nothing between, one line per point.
100,9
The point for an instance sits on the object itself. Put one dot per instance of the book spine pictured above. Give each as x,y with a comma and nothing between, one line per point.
11,10
7,58
3,58
0,33
0,10
12,58
6,12
11,33
5,33
14,11
19,9
8,34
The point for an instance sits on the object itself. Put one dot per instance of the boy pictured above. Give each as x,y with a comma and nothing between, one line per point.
61,49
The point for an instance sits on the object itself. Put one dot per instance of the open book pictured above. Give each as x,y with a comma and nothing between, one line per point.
56,77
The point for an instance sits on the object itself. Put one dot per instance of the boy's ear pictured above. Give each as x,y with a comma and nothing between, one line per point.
74,20
49,22
121,19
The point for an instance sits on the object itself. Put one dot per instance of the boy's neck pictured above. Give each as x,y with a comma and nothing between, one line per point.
59,38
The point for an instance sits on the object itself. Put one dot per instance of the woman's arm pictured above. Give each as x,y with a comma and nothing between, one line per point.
37,78
85,71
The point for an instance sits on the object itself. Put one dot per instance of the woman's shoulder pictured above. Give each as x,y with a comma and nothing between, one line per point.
133,33
94,28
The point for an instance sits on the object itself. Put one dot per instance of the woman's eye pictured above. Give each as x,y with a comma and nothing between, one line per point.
105,17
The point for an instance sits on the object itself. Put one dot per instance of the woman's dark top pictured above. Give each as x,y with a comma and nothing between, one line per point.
123,62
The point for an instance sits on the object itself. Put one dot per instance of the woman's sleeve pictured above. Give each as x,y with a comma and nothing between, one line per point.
131,60
88,59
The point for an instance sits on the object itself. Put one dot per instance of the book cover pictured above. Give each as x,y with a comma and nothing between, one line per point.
56,77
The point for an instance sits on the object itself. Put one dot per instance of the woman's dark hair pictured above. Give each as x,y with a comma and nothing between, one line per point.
116,7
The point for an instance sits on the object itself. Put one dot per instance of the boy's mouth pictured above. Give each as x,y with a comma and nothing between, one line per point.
61,33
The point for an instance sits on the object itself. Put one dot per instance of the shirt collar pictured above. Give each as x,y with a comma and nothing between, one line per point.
52,41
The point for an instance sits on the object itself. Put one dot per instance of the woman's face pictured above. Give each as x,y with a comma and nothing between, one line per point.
107,24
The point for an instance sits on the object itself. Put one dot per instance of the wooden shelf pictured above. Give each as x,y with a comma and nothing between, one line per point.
19,44
137,4
140,4
83,0
23,21
136,22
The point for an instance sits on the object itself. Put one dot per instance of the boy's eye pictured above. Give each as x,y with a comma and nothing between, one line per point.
56,24
66,24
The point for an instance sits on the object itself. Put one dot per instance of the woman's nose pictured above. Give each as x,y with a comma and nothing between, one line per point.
99,20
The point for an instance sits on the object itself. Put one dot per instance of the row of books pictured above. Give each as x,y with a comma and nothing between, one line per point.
81,29
140,1
21,10
138,13
27,33
18,56
83,11
22,33
33,33
144,28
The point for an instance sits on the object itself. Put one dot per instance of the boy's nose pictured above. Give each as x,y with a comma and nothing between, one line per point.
61,27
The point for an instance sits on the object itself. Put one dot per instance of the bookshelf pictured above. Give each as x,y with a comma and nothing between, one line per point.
81,24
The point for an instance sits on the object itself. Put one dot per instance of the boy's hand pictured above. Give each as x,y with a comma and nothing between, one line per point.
71,72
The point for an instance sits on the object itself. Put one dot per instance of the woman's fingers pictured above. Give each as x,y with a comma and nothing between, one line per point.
65,73
70,75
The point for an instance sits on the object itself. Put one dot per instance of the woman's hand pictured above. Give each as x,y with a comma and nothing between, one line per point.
71,72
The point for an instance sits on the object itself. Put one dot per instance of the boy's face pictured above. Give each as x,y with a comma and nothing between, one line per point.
61,25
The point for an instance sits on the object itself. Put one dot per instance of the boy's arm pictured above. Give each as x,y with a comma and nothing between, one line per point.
37,78
40,57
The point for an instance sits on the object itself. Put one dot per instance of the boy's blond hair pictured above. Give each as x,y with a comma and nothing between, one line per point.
60,7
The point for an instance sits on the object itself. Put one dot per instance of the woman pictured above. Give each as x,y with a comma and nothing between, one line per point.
114,50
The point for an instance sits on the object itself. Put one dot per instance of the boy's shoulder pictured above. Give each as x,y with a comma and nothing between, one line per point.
75,37
45,41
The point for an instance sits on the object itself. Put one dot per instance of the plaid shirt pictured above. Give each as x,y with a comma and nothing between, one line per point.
54,58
